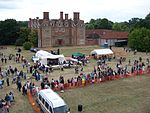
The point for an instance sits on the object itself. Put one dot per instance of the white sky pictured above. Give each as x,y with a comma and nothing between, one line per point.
114,10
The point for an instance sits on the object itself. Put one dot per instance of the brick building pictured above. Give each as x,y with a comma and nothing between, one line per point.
102,36
59,32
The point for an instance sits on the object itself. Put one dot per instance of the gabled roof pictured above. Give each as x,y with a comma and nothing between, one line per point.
107,34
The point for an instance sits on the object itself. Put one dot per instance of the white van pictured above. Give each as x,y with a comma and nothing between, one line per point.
51,102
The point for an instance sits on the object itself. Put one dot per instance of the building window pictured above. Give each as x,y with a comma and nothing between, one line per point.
66,24
52,24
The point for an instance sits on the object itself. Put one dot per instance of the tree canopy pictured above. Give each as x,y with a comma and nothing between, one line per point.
99,24
139,39
9,31
16,32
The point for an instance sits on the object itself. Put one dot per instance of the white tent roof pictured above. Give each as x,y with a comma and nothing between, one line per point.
102,51
44,55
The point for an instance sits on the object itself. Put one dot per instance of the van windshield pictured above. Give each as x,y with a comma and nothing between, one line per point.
61,109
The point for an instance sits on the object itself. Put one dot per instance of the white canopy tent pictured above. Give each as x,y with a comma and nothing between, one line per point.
97,52
44,56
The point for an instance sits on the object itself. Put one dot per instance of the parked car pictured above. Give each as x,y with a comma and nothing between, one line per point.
34,50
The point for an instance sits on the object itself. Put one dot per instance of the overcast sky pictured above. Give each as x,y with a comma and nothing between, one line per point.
114,10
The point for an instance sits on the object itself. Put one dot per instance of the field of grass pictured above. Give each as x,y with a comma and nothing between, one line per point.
129,95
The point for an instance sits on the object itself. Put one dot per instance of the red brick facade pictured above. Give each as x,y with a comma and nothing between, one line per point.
59,32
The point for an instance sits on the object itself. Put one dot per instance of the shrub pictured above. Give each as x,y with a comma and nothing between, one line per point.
27,45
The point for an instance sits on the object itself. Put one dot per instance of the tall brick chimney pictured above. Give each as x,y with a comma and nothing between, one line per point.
66,16
46,15
76,15
61,15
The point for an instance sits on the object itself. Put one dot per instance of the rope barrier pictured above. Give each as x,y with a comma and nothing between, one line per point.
33,103
80,83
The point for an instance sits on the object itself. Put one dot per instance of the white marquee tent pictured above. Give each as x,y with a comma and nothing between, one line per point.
44,55
98,52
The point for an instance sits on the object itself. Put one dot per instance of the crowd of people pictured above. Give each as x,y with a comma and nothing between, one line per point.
100,72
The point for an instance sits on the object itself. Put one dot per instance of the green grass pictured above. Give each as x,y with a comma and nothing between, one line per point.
129,95
120,96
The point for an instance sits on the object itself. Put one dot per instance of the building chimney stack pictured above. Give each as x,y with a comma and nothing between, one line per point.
61,15
76,15
46,15
66,16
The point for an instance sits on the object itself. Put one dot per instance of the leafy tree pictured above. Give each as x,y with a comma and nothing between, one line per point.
99,24
27,45
122,26
8,31
105,24
23,23
139,39
23,33
33,38
89,26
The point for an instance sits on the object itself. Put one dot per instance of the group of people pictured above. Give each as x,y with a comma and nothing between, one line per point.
6,102
103,72
4,59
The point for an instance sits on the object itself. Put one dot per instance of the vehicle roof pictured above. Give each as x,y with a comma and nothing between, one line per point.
52,97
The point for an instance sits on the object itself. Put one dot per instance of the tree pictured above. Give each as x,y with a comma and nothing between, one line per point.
23,34
139,39
19,42
99,24
8,31
105,24
23,23
89,26
33,38
122,26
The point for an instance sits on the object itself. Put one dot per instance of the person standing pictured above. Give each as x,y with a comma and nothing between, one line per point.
23,90
2,59
5,60
7,80
19,85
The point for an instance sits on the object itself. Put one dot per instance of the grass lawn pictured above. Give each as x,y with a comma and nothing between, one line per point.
129,95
